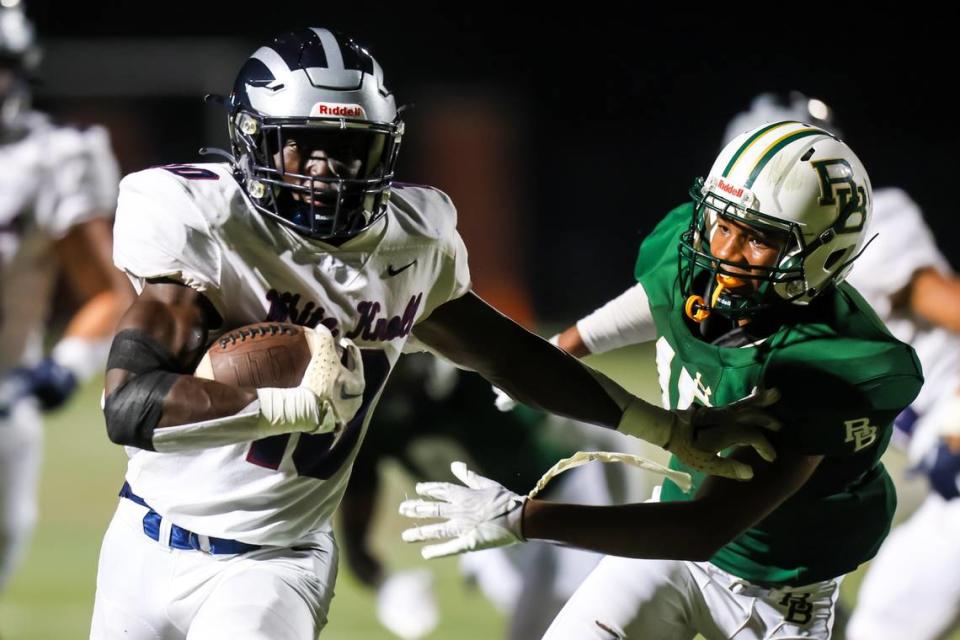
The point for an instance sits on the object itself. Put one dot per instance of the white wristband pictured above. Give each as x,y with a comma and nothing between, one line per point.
276,411
294,409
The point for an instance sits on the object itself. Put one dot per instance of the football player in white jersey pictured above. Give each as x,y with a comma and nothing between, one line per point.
57,192
223,527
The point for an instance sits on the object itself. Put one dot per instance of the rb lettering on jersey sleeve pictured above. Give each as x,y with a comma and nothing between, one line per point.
839,397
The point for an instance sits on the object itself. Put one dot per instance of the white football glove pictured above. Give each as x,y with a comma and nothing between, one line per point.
329,395
481,515
697,434
406,605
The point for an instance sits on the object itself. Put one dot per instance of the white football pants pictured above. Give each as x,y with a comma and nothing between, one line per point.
148,591
676,599
21,450
912,588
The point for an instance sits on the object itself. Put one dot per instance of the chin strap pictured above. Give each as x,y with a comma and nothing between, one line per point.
696,307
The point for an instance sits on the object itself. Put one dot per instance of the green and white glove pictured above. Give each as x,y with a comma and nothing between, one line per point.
697,434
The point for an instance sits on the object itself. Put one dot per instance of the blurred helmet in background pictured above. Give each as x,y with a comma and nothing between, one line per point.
19,57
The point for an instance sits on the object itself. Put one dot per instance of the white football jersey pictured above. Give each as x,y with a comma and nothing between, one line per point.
194,223
51,179
904,244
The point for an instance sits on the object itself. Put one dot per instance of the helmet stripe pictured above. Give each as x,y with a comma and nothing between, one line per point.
775,147
273,61
747,144
331,48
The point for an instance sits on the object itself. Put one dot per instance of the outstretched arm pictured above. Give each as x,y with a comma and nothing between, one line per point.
475,336
483,514
721,510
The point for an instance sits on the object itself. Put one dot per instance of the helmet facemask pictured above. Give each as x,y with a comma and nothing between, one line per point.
734,289
324,94
339,186
790,179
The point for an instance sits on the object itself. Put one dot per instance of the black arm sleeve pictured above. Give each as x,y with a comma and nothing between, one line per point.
134,408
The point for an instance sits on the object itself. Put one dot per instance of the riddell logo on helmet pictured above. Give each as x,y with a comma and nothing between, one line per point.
729,188
331,109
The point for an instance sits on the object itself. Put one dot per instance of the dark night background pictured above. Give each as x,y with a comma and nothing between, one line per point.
616,107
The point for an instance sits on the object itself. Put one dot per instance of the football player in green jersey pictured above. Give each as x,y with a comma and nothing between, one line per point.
742,290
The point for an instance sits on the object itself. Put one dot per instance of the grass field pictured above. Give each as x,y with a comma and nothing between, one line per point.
51,596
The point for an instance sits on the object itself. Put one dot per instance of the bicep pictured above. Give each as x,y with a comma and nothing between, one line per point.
474,335
469,332
172,318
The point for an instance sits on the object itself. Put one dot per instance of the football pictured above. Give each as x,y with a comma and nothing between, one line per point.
265,354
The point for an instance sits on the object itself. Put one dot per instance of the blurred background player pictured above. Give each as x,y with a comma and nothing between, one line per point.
57,192
430,409
907,593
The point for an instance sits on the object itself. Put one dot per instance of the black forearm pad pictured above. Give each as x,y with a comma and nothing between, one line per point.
133,409
135,351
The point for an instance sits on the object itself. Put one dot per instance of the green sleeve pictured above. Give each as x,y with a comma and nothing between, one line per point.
839,397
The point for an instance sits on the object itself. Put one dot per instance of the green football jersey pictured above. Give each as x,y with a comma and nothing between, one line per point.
842,378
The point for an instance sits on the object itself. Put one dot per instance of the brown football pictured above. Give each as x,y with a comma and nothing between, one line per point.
265,354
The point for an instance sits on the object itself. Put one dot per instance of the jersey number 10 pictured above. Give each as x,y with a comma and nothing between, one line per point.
313,456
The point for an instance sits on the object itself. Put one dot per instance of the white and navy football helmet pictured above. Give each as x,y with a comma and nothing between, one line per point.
19,57
323,92
793,180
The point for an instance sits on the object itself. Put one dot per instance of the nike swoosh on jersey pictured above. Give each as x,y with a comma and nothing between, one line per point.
395,272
